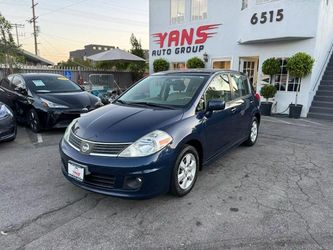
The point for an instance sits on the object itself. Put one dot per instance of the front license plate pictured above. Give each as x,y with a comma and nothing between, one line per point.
75,171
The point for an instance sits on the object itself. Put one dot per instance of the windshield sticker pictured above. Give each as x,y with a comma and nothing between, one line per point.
62,78
38,83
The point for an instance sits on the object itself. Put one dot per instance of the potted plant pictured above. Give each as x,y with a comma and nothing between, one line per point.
161,65
267,91
195,63
299,66
270,67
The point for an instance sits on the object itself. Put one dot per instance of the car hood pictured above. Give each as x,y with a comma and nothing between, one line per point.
120,124
74,100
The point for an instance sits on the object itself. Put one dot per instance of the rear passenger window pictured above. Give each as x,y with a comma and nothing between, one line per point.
239,86
219,89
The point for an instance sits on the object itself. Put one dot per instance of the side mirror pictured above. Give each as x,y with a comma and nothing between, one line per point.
22,91
215,105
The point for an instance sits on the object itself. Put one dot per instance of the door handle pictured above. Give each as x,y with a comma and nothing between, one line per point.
233,110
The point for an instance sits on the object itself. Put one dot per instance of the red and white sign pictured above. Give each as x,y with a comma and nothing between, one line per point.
185,41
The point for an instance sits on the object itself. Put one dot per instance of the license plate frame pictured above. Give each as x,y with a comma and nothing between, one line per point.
76,171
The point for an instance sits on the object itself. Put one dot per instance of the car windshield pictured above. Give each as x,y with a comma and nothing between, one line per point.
174,91
50,84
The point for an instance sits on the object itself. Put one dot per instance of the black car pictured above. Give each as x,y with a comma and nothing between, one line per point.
45,101
7,123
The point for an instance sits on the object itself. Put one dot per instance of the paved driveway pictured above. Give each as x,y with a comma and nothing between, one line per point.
275,195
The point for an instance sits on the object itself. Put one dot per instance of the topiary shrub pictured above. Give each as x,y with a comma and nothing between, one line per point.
268,91
195,63
300,65
161,65
271,67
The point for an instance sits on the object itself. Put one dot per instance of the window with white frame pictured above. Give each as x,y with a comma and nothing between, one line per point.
245,4
177,11
199,9
283,81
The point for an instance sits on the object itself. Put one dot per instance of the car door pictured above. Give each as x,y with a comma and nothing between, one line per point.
241,105
20,100
218,123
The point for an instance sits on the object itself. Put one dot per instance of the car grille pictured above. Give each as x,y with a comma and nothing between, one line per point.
103,181
97,148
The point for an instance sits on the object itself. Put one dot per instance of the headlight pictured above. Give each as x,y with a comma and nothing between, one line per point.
148,145
68,130
4,111
49,104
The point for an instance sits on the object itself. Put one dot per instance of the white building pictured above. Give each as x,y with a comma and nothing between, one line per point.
241,34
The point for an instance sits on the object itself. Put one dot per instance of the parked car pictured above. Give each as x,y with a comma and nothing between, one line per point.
104,86
158,135
45,101
7,123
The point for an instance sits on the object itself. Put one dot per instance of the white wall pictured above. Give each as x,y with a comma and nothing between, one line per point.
301,19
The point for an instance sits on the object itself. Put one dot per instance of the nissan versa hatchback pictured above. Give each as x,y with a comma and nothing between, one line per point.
158,134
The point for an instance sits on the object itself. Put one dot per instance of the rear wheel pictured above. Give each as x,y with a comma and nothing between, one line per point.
185,171
253,134
33,121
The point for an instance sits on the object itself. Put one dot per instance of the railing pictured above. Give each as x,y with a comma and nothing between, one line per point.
323,68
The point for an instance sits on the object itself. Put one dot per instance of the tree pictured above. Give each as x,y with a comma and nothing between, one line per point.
195,63
9,51
300,65
271,67
137,68
161,65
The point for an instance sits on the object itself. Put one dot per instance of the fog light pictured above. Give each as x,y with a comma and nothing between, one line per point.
132,182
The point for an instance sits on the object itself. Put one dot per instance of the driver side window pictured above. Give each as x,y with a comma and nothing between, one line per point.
17,82
219,89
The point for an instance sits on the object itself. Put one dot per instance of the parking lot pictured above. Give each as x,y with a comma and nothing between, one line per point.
275,195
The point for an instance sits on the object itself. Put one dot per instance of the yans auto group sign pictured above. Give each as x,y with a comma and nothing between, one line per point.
183,41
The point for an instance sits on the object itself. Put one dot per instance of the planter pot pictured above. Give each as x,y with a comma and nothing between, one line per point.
295,111
266,108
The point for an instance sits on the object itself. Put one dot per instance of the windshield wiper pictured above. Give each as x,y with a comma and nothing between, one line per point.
149,104
121,101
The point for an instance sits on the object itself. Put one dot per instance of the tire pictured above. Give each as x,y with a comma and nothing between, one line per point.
33,121
187,165
253,133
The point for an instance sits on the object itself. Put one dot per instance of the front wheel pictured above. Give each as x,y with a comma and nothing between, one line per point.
253,133
185,171
34,121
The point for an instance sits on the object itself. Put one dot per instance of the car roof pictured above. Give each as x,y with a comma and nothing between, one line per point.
197,71
35,74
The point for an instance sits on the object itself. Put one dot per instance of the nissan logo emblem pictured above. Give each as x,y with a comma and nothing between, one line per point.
85,147
85,110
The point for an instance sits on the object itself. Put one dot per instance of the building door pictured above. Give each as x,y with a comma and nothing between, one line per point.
249,66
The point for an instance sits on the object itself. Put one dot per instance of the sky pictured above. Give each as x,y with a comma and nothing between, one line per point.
67,25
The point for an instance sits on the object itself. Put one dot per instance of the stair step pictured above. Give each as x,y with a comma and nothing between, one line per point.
326,82
325,87
323,98
328,77
324,92
322,104
321,110
321,116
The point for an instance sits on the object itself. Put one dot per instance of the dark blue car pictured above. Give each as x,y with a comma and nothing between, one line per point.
158,135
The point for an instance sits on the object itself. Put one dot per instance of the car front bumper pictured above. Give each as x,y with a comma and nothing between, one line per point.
154,170
7,128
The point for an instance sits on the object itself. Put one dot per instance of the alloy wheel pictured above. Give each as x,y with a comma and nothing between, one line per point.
254,131
187,171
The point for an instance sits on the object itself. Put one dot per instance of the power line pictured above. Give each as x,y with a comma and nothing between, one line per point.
17,26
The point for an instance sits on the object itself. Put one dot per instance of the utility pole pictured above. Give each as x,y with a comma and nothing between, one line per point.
17,26
33,21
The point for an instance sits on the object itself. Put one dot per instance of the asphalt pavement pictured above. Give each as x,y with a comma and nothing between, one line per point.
275,195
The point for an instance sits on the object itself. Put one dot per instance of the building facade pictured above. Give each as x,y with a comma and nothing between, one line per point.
242,34
88,50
